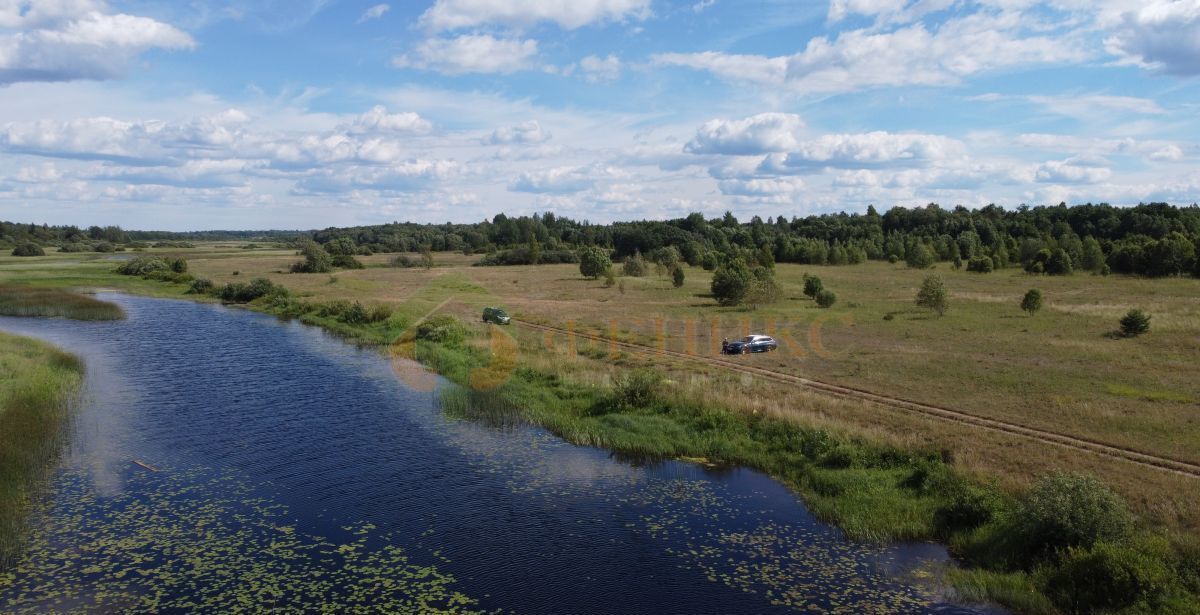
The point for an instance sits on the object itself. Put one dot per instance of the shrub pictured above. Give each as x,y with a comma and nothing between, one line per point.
178,265
634,266
355,315
316,259
200,286
28,249
1134,323
342,246
920,257
812,286
636,389
968,507
1032,301
346,261
593,262
1070,510
610,278
378,313
426,257
442,329
933,296
402,260
980,264
1107,577
677,276
731,282
708,261
240,292
104,246
839,457
826,298
763,289
1059,263
75,248
524,256
144,266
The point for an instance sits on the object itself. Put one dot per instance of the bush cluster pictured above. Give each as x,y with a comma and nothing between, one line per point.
442,328
524,256
28,249
240,292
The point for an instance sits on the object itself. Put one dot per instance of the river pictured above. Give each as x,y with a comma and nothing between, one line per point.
224,460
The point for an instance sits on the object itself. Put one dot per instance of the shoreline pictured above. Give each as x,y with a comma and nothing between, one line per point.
871,492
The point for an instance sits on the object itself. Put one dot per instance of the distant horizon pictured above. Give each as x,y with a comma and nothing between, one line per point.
260,113
741,219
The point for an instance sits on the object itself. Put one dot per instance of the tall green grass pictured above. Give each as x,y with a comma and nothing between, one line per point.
55,302
37,387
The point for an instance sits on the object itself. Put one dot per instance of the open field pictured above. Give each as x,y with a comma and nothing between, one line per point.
36,384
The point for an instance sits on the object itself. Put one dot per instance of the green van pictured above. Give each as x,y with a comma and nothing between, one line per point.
496,315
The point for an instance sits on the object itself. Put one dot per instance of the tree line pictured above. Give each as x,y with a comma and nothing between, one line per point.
1154,239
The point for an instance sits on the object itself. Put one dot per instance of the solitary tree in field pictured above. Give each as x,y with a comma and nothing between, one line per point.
1032,301
1135,323
826,298
677,276
535,251
731,282
933,295
593,262
812,286
426,257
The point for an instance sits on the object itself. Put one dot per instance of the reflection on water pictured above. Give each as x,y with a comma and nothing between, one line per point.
294,469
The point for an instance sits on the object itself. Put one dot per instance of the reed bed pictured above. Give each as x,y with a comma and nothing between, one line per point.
38,384
55,303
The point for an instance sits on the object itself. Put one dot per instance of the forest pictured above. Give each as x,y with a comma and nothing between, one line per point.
1154,240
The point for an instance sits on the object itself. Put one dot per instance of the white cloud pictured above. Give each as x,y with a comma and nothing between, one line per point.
378,120
1168,153
910,55
374,12
406,176
561,180
758,134
80,39
596,69
567,14
525,132
866,150
775,190
471,53
1162,35
1072,171
702,5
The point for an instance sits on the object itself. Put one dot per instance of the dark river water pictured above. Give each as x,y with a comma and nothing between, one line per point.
225,461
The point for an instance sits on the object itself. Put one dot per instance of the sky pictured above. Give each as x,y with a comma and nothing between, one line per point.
298,114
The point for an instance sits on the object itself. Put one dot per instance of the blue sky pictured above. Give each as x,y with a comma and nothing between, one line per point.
294,114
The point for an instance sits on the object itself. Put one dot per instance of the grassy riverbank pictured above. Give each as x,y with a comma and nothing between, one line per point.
879,475
54,302
37,384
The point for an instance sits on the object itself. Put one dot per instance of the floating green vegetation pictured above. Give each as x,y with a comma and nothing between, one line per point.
55,302
37,384
196,541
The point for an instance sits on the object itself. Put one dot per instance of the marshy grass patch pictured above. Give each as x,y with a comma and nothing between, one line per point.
1130,392
37,387
30,301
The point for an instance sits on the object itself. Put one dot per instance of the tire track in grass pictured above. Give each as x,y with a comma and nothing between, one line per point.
1096,447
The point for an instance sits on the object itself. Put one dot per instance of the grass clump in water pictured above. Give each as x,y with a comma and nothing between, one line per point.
54,302
37,385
